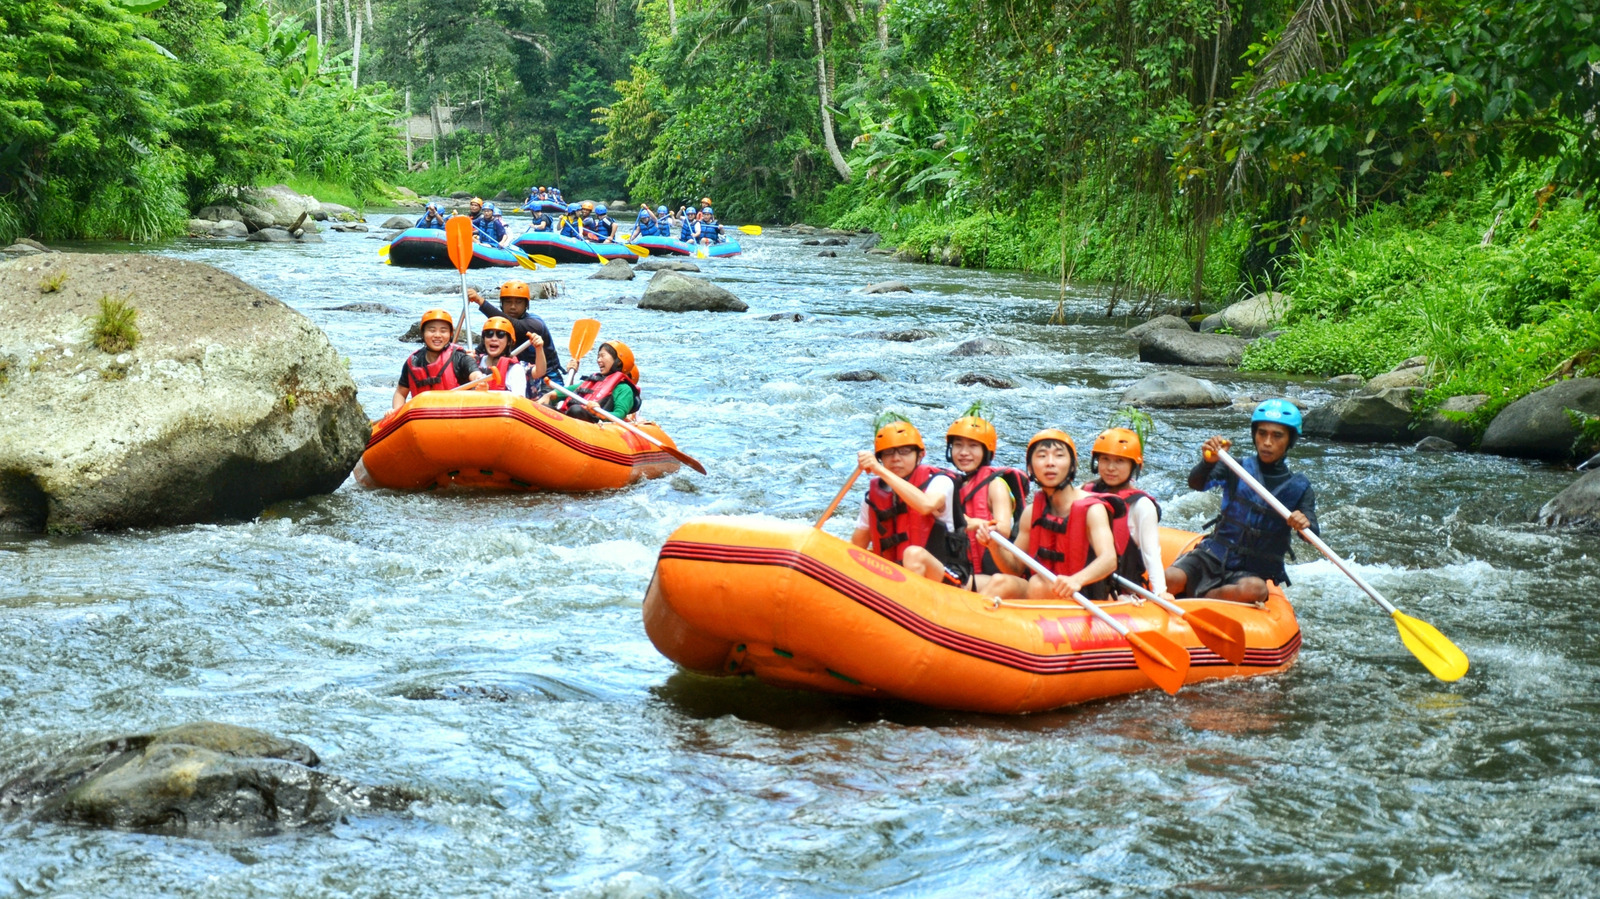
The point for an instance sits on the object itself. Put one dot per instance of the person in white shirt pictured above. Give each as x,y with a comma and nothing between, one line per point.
1118,457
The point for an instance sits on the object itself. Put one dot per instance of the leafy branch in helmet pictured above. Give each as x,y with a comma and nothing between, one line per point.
887,417
1136,420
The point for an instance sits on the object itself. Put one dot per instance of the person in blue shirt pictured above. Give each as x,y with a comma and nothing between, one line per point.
645,224
1246,550
690,220
705,229
491,226
540,221
572,223
555,195
604,225
431,218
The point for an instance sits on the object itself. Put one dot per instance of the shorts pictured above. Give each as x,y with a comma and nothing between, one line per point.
1205,573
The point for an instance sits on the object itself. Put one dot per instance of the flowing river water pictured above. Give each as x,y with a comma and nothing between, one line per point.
487,650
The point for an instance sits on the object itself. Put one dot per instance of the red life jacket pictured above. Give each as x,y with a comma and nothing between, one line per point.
1130,562
441,375
497,374
972,492
597,388
1062,545
894,525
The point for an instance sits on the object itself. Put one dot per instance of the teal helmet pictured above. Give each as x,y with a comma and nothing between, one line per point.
1276,411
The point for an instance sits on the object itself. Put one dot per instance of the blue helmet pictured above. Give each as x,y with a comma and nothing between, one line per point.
574,207
661,210
490,207
1281,412
708,211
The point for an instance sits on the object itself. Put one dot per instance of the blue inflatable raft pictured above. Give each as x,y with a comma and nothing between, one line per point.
425,248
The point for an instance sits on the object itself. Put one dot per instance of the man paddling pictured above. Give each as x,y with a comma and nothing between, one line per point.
1250,541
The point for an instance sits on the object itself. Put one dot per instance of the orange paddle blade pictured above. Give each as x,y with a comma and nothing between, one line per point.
1161,660
1220,633
458,238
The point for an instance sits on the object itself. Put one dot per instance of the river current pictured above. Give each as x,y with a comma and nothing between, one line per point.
487,651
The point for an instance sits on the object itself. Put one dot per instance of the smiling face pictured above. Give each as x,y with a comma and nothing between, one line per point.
606,360
1114,470
966,454
436,335
901,460
496,343
1051,463
1272,441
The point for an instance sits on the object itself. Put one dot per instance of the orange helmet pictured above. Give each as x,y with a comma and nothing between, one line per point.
1119,442
1057,435
624,356
515,289
896,434
499,323
974,428
436,315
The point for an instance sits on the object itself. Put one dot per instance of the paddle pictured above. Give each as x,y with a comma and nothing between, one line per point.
584,331
523,259
1220,633
1158,656
752,230
594,407
458,242
840,498
484,382
1433,649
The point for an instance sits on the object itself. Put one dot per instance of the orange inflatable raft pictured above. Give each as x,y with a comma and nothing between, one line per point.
797,607
494,439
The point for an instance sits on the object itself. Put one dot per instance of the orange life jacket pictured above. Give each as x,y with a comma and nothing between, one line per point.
440,375
1062,544
972,493
894,525
1130,562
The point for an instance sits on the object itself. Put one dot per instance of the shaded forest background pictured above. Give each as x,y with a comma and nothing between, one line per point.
1418,176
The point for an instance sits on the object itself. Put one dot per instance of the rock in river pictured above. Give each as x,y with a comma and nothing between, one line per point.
1579,504
1252,317
1171,390
656,264
981,346
194,779
1538,426
886,287
1160,322
615,270
228,401
862,374
670,291
1383,417
1177,347
904,335
398,222
977,377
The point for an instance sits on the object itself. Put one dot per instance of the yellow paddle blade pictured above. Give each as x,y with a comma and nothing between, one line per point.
702,254
546,261
1433,649
752,230
527,263
641,252
383,250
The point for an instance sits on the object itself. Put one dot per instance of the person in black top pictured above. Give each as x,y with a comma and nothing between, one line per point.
439,365
514,298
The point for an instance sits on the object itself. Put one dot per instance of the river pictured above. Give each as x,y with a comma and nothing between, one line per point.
487,650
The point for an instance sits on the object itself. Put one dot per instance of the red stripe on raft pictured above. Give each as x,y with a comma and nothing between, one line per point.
999,653
545,428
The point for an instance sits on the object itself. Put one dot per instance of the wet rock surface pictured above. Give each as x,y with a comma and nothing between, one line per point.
1173,390
973,378
982,346
670,291
887,287
1383,417
1576,506
1539,426
1175,347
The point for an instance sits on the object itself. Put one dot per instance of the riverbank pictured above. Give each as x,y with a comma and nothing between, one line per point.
1495,284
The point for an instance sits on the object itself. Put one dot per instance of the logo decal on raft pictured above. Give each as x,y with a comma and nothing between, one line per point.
880,567
1081,634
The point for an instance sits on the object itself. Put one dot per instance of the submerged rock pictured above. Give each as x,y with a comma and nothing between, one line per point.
1171,390
1177,347
887,287
366,307
784,317
1539,426
903,335
1578,505
229,400
659,264
194,779
862,374
982,346
1435,445
972,378
670,291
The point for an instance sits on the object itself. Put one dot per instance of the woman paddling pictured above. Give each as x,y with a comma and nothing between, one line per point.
504,370
984,492
1118,457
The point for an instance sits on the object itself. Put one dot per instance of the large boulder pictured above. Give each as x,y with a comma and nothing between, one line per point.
1175,347
277,205
665,264
202,779
615,270
1383,417
670,291
228,401
219,214
1577,505
1446,422
398,222
1411,373
1539,426
1171,390
1252,317
230,228
1160,322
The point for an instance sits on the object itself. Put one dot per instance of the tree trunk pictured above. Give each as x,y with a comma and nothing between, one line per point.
883,25
828,140
355,68
672,16
349,28
321,45
369,13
